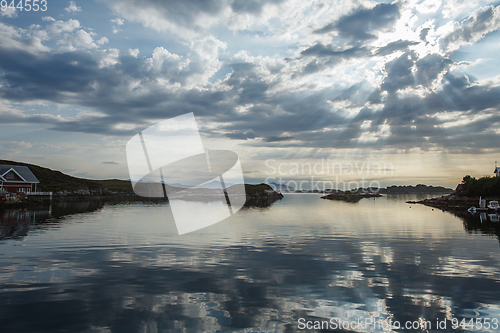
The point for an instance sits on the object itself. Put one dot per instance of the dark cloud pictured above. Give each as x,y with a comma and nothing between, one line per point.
473,28
97,125
408,70
313,66
273,138
363,23
329,56
247,83
110,162
356,95
399,73
430,67
48,77
185,13
320,50
423,34
77,78
241,135
399,45
251,6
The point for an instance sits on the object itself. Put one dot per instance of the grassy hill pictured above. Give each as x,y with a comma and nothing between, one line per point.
55,181
116,185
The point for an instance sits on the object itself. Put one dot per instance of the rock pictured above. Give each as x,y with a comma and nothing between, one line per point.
350,196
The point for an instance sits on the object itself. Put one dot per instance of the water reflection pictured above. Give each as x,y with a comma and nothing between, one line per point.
126,271
486,224
16,223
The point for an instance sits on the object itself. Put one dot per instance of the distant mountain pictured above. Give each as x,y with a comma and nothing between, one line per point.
214,184
420,188
281,187
405,189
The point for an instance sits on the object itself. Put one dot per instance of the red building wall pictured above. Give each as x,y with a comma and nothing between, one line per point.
16,187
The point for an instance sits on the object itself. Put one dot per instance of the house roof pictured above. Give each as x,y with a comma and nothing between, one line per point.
22,171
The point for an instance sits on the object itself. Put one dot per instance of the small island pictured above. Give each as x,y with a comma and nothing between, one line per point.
357,195
261,195
350,196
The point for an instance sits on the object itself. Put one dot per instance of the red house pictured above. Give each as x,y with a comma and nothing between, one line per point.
16,178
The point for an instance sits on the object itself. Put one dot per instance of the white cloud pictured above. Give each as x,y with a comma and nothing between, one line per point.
78,40
68,34
472,29
117,22
429,6
109,57
9,12
10,115
133,52
205,56
103,41
456,9
19,39
73,7
18,144
57,28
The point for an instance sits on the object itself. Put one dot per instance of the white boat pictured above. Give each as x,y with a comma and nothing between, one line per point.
493,205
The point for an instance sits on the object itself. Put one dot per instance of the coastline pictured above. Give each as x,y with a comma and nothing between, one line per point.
451,202
256,195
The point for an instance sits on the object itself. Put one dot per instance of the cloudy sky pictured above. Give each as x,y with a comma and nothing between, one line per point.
408,90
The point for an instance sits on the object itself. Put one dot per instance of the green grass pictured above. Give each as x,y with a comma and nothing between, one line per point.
116,185
251,189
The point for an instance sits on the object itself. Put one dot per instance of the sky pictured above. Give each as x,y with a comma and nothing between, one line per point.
403,92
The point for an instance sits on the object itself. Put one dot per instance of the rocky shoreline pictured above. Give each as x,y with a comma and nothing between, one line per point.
260,195
450,202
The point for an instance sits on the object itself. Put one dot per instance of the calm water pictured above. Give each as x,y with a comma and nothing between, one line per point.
90,267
